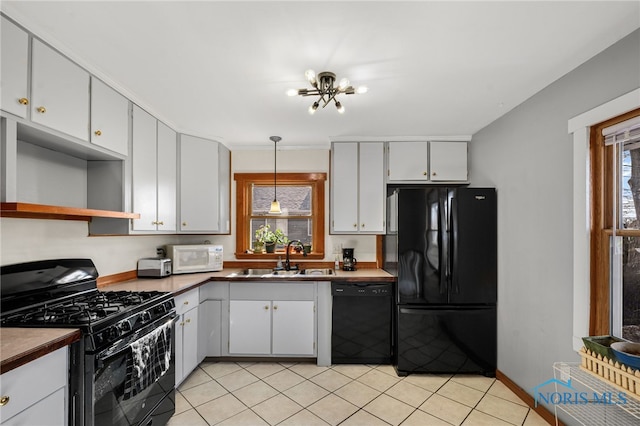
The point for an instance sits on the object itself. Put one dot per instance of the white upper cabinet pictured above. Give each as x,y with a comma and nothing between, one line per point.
448,161
14,64
408,161
204,186
59,92
344,187
167,178
372,194
109,118
435,161
357,188
144,170
153,173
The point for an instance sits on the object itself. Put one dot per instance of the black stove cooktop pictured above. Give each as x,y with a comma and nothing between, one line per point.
86,309
63,293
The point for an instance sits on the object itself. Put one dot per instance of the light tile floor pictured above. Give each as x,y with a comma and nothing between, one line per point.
272,393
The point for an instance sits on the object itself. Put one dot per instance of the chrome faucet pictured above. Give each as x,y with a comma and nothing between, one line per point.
287,263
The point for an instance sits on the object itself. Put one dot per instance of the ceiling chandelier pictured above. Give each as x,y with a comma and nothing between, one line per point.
275,204
323,86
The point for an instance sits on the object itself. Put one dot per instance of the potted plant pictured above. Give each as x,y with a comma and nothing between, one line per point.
269,239
262,235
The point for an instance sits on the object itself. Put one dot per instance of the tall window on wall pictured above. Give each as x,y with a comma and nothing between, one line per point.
615,227
301,197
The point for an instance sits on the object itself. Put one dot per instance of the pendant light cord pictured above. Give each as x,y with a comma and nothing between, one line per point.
275,174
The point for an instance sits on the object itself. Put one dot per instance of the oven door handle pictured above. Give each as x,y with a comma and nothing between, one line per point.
106,354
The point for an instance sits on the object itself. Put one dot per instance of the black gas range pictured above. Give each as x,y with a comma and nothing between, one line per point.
122,371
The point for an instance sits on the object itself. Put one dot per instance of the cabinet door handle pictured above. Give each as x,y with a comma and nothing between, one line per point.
184,223
363,225
266,307
188,321
355,225
4,400
98,133
41,109
424,173
275,307
433,174
182,323
23,101
186,302
160,223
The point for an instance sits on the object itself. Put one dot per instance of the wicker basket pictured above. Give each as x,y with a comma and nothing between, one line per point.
618,375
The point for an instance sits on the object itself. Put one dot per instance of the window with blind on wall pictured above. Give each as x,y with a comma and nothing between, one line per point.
616,227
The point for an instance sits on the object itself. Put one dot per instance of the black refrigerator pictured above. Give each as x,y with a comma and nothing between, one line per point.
441,244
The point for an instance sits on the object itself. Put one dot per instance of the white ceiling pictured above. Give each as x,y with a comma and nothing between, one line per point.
221,69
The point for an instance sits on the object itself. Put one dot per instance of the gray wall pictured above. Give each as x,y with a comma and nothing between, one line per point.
527,156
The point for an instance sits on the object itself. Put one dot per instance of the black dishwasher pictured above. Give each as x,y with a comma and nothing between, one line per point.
361,323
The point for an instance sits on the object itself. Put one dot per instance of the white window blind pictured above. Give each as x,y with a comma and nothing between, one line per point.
626,132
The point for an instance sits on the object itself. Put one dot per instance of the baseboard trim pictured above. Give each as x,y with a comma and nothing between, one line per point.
547,415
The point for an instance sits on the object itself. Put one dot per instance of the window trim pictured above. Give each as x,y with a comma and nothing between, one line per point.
602,176
578,126
244,181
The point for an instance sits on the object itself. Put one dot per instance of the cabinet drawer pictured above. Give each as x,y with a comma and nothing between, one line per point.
48,412
31,383
187,301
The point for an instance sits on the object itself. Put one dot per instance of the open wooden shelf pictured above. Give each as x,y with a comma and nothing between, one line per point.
43,211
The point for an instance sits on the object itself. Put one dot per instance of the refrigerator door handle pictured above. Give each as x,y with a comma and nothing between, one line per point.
426,309
454,246
444,245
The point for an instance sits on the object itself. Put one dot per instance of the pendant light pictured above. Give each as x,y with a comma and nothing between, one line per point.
275,204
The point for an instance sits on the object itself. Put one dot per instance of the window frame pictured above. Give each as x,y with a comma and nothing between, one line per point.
244,183
602,178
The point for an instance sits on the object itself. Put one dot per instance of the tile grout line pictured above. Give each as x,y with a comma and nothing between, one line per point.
244,367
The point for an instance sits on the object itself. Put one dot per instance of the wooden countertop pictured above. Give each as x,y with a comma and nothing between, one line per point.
184,282
19,346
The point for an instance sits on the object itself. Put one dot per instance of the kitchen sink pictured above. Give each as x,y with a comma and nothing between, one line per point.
268,273
319,271
254,272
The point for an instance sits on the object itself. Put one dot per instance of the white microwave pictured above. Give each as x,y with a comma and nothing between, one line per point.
191,258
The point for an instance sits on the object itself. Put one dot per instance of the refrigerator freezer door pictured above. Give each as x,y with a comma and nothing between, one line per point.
446,340
474,227
421,246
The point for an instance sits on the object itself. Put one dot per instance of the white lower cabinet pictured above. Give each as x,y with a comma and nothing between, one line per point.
213,296
250,327
275,319
36,393
186,330
271,327
293,325
209,321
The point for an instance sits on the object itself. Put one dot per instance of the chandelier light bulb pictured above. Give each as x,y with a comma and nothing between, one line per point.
311,76
362,89
344,83
340,107
292,92
313,108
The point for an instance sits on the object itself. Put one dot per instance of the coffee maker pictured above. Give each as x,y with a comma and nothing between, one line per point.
348,261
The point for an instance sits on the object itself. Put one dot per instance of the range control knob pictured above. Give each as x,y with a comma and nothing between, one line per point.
125,326
113,332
